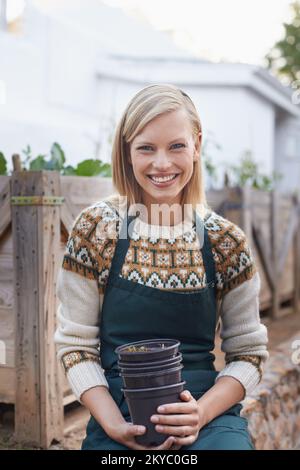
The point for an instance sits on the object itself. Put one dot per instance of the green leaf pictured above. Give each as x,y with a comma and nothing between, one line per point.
106,170
3,164
89,167
57,157
27,151
68,170
38,163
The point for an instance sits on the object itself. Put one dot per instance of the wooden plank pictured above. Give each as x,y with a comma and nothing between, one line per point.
274,227
68,214
286,278
68,399
288,238
84,191
8,385
265,260
6,258
6,294
7,336
246,214
76,419
6,268
5,212
296,296
39,408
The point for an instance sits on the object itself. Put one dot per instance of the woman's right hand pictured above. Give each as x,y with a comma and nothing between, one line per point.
102,406
126,432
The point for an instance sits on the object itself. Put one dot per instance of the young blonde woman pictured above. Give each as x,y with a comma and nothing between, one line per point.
160,271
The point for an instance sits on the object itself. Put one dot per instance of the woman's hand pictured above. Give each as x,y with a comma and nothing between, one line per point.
125,434
181,420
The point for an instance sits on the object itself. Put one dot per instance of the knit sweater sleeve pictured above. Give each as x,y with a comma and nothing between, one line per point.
80,290
244,338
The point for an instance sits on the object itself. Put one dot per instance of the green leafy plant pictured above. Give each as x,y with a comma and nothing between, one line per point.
207,159
284,57
3,164
56,161
247,173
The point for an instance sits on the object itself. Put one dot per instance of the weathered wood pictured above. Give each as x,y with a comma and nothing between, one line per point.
288,238
296,246
274,244
17,164
39,408
8,335
68,214
6,294
8,385
5,214
263,250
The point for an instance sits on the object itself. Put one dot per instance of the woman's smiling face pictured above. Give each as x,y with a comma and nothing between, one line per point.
162,157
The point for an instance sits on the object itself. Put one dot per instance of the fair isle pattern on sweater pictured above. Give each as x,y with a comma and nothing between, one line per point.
174,263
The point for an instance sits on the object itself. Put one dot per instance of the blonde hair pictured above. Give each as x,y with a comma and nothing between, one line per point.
148,103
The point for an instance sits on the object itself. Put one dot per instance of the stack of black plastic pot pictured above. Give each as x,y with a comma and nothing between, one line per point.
151,374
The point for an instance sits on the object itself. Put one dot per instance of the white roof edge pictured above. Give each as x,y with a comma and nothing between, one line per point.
249,76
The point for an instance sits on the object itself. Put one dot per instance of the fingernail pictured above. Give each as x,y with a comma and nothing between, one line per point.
141,429
160,409
154,419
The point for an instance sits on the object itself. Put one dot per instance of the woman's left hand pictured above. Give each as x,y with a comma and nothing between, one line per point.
181,420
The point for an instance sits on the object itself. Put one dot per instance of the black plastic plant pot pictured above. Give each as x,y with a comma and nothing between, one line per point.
152,379
143,403
146,350
172,362
146,370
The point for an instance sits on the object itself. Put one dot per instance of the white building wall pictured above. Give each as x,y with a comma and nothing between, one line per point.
287,153
60,87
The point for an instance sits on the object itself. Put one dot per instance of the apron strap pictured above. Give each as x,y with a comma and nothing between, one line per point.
124,241
122,244
206,250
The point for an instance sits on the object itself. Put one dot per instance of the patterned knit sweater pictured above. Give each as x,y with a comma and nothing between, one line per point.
163,258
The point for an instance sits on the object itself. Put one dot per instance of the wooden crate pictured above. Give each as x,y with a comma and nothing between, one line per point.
32,240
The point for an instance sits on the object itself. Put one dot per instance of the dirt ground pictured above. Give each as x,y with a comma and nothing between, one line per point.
76,416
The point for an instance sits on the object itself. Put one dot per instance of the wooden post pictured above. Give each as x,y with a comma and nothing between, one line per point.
17,164
296,297
36,236
275,207
233,205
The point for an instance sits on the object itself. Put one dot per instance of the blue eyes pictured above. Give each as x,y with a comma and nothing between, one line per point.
147,147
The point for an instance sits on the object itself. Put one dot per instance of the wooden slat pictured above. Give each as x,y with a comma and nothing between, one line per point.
288,238
7,335
8,385
83,191
274,226
5,212
6,294
296,294
263,253
68,214
39,408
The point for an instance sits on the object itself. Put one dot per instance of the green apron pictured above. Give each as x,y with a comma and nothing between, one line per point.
133,312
